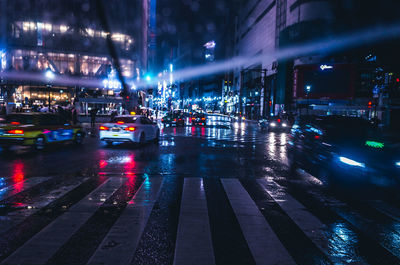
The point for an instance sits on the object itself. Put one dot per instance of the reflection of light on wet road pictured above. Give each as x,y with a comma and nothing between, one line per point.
282,151
102,164
271,144
167,143
343,243
120,160
18,176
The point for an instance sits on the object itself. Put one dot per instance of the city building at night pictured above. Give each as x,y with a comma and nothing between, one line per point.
344,82
61,39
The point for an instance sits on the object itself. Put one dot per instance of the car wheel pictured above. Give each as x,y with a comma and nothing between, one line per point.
40,143
78,138
142,138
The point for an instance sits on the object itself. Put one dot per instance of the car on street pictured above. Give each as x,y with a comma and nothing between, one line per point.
173,120
278,124
129,129
38,130
199,119
338,148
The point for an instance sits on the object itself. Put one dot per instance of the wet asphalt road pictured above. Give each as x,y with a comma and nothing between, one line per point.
219,194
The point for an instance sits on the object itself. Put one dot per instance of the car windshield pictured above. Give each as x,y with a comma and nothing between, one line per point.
125,119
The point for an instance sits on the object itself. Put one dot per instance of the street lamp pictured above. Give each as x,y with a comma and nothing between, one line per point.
308,90
49,74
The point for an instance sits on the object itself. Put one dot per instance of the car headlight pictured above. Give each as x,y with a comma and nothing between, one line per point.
273,124
284,124
351,162
398,164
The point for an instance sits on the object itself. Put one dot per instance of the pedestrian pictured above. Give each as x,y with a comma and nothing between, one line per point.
93,113
113,115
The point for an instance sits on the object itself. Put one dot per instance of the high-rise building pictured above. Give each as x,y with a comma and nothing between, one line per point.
69,38
337,80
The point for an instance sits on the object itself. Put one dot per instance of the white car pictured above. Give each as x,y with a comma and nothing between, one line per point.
129,128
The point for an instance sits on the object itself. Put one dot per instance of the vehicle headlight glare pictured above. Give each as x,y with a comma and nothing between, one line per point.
284,125
398,164
273,124
351,162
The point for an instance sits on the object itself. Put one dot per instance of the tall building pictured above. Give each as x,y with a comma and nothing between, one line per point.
336,80
69,39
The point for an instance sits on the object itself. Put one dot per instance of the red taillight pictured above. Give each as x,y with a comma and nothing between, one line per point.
162,119
16,132
120,122
103,128
174,119
15,123
317,137
130,129
279,120
180,119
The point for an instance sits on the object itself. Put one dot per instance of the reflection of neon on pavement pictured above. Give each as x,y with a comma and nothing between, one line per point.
18,176
103,163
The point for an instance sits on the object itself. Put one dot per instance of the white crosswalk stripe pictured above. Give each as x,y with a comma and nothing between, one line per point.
308,223
16,217
193,243
263,243
194,236
44,245
119,246
20,186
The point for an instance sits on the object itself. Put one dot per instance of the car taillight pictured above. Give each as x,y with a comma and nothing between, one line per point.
180,119
130,129
162,119
174,119
203,119
16,132
120,122
103,128
279,120
15,123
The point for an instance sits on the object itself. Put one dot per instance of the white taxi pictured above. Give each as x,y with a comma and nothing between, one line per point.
129,128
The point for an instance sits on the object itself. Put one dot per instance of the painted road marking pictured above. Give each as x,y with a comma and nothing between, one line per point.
119,246
264,245
312,227
20,186
41,247
193,242
14,218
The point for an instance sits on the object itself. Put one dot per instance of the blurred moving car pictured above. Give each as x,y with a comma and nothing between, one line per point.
129,128
278,124
38,130
343,148
173,120
199,119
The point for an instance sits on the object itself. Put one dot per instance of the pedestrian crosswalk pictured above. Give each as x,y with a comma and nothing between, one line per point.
270,224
